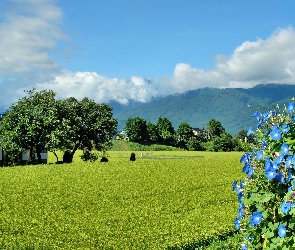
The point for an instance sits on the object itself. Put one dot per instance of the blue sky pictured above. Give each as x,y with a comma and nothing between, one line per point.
134,50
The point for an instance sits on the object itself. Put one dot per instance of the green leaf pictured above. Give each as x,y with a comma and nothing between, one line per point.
275,240
269,234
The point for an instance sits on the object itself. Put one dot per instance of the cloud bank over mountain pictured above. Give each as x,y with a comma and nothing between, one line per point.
34,40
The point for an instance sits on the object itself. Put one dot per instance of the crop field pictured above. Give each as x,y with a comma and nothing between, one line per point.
165,200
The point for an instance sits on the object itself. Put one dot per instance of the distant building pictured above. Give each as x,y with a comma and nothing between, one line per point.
23,157
197,131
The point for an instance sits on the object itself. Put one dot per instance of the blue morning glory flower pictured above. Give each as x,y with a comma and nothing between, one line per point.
259,155
290,107
266,115
270,173
240,211
290,189
234,185
255,218
246,167
258,124
285,149
285,207
267,161
275,133
240,197
250,172
277,162
238,190
280,178
244,247
289,161
237,224
256,114
282,231
249,131
244,158
285,128
242,183
289,175
264,144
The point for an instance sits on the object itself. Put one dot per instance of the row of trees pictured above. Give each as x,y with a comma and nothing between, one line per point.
38,121
212,138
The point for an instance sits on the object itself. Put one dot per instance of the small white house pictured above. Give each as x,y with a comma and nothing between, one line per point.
25,157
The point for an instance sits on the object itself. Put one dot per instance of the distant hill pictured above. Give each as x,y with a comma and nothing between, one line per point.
233,107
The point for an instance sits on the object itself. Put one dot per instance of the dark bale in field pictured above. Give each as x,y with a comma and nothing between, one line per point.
104,159
132,157
67,157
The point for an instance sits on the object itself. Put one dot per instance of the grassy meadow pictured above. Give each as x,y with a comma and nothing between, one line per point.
166,200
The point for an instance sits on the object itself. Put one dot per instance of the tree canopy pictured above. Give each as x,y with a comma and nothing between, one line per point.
136,129
38,121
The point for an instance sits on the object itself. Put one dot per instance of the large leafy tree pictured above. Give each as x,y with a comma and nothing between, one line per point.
88,126
223,143
37,122
215,128
136,129
165,130
152,132
184,133
29,124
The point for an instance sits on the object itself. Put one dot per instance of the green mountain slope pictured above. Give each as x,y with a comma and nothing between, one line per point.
232,107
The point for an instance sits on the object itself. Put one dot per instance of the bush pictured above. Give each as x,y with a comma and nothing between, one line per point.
266,196
104,159
132,157
67,157
89,156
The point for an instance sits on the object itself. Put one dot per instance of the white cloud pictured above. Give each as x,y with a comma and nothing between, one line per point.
263,61
100,88
29,32
32,30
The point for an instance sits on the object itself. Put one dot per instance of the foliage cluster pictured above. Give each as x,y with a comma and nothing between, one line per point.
150,204
38,121
266,196
213,138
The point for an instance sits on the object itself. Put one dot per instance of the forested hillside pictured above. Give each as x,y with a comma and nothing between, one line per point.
232,107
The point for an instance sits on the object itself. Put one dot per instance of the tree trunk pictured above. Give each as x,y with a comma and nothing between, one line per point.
55,155
38,151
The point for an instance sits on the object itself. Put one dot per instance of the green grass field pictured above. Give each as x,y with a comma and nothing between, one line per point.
166,200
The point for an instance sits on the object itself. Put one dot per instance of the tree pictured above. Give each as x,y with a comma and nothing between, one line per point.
29,124
223,143
136,129
39,122
183,135
194,144
165,131
215,128
87,126
242,136
152,132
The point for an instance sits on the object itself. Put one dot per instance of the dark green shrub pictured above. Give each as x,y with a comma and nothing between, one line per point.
132,157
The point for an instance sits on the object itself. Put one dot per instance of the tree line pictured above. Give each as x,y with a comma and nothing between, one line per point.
212,138
39,122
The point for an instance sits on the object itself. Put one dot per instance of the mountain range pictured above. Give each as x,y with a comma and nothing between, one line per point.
233,107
